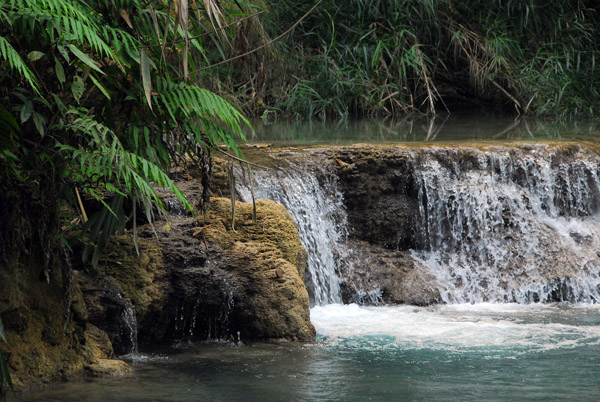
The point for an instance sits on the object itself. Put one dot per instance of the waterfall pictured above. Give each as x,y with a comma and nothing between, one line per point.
311,195
510,226
500,224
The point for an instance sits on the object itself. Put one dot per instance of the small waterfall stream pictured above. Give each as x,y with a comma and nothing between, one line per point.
516,224
311,195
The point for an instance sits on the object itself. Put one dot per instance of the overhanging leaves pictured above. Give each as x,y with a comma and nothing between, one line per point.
145,70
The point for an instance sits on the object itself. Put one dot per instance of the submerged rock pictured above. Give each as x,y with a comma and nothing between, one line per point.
108,368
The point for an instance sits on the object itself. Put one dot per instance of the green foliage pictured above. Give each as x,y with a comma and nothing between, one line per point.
4,372
97,96
360,57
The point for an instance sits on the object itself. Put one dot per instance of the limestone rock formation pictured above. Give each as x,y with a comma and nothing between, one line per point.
48,338
373,275
201,279
269,262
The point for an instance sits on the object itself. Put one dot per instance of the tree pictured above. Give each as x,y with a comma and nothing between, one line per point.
98,97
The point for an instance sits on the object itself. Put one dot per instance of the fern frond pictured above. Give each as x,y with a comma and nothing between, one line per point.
109,160
15,62
193,101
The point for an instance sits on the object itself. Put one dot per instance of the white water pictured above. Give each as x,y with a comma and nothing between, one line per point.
512,225
316,205
486,327
517,227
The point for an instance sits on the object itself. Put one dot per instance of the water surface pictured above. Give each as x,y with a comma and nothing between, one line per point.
492,352
445,128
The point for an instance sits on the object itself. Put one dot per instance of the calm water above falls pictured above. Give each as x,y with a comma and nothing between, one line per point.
460,351
453,128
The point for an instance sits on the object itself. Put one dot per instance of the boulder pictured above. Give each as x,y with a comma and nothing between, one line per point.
373,275
204,278
269,262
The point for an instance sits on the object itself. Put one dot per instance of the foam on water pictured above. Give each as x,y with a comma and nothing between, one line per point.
495,328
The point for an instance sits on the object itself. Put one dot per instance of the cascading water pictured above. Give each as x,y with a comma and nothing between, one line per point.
512,226
311,196
129,330
515,224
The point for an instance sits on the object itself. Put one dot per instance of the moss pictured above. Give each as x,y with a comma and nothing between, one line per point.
139,276
269,256
98,344
274,226
40,347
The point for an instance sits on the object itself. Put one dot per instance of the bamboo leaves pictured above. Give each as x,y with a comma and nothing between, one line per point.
84,58
392,57
145,71
97,127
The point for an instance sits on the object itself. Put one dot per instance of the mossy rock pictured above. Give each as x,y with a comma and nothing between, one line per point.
270,261
140,277
41,346
274,226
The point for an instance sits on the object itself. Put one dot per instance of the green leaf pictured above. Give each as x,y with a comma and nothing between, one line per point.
35,55
7,121
145,69
2,333
100,86
26,110
60,71
85,58
39,122
64,53
77,87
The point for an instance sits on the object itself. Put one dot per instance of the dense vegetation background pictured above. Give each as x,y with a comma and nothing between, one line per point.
99,98
398,57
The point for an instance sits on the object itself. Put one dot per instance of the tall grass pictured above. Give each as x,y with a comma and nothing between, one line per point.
395,57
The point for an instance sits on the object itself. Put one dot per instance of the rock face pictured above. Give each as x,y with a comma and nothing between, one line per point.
195,278
373,275
491,223
46,342
379,195
268,262
201,279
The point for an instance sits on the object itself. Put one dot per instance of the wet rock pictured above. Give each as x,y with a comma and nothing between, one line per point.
373,275
98,343
378,195
201,279
42,347
260,267
108,368
107,308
